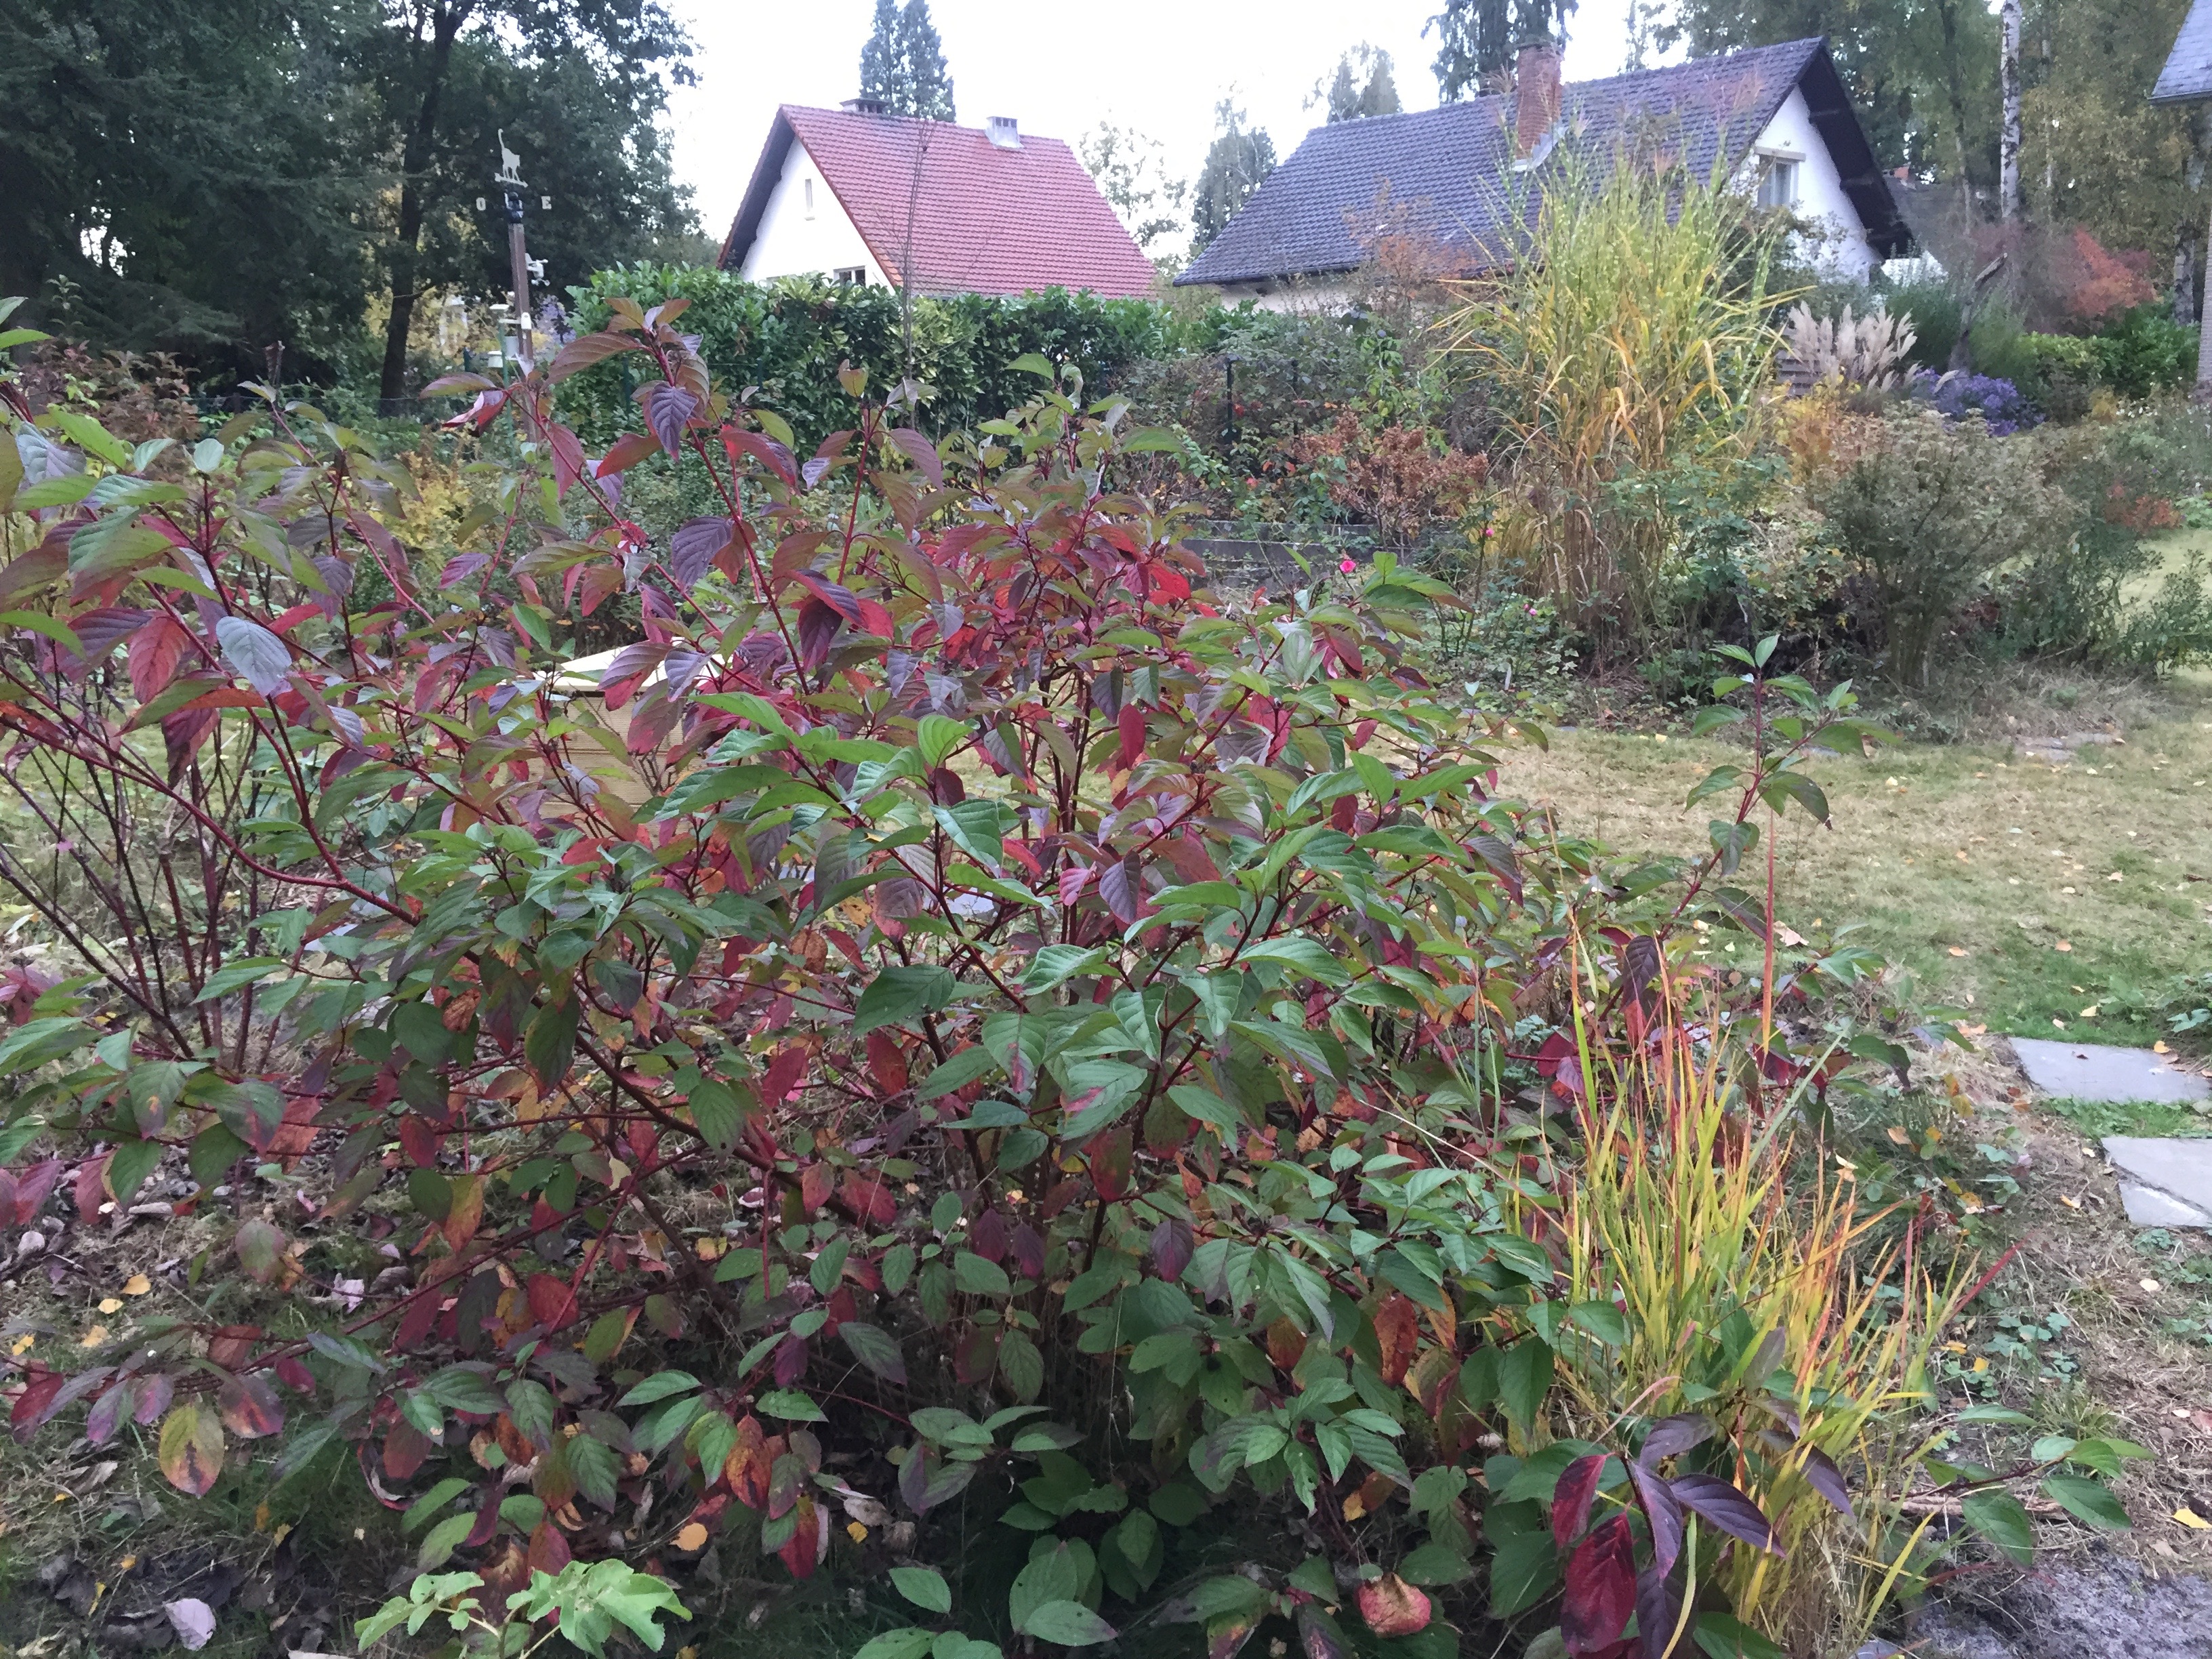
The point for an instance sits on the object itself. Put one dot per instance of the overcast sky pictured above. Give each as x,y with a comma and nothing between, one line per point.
1157,65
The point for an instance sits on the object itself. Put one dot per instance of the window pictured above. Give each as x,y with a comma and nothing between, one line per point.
851,276
1777,184
807,186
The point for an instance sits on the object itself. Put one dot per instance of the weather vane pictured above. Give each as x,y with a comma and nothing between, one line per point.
510,181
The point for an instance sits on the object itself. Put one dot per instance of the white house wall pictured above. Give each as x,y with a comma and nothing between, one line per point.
792,242
1841,248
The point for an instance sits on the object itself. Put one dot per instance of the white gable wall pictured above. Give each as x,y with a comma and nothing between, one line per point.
793,240
1840,247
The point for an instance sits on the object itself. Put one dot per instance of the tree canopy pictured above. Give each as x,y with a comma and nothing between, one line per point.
903,63
1239,158
1476,40
145,208
1362,85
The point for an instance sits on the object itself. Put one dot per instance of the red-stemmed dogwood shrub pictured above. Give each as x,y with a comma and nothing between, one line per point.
955,1019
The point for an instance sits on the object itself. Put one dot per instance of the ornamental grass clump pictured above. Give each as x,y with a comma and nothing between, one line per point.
963,1065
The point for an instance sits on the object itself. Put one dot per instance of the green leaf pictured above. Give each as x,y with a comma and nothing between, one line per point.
1070,1623
238,975
937,738
2000,1517
977,828
792,1406
660,1386
910,1643
129,1165
1602,1321
979,1277
923,1586
1307,956
2087,1500
1723,1637
1523,1569
1435,1563
1524,1377
899,994
875,1348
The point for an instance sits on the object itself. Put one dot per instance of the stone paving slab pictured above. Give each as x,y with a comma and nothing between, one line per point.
2095,1071
2163,1183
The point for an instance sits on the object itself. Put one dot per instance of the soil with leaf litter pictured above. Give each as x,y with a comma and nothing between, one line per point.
2131,1355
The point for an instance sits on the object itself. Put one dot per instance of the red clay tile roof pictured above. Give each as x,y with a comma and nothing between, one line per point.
985,220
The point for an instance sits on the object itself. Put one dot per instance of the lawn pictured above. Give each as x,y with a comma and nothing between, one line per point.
2038,897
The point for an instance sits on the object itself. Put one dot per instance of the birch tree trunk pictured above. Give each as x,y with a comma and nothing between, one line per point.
2009,194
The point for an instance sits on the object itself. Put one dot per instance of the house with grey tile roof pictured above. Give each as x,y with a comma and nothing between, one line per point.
1462,184
2187,76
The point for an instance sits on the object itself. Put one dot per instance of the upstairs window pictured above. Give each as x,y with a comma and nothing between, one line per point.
851,276
1777,183
806,188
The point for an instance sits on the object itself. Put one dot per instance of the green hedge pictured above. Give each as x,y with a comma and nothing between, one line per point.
788,336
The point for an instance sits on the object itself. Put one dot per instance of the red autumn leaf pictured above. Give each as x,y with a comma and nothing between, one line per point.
887,1062
1572,1498
1392,1606
405,1447
748,1465
156,650
804,1552
1601,1590
249,1407
1398,1335
1131,720
552,1301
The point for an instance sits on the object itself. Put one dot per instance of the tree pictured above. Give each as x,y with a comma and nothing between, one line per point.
1361,86
1131,170
1477,40
2008,196
577,85
1237,161
903,63
129,181
929,83
2096,151
882,78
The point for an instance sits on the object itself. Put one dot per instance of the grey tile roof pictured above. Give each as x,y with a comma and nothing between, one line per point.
2188,72
1444,177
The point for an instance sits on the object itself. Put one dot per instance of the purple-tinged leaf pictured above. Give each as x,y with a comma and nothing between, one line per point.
1658,1611
817,631
1670,1437
1662,1510
815,470
764,449
108,1412
1826,1479
842,600
1173,1245
1123,886
255,653
919,451
692,549
586,350
1731,1510
1572,1497
668,410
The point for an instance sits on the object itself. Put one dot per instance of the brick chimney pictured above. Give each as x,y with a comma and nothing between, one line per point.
1536,77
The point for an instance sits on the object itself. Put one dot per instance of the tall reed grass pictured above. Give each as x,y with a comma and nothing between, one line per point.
1631,332
1752,1294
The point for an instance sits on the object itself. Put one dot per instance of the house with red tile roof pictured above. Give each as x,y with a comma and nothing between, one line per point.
863,196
